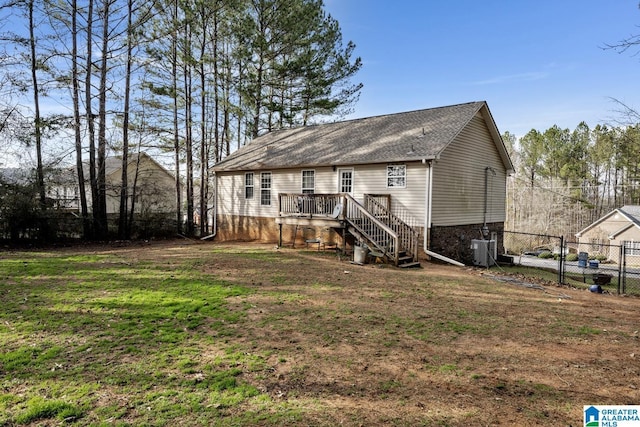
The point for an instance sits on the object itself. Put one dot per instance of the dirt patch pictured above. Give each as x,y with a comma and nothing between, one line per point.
440,345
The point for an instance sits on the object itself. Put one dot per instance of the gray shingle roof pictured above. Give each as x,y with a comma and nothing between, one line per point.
413,135
632,212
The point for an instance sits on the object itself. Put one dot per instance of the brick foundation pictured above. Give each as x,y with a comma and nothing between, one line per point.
455,241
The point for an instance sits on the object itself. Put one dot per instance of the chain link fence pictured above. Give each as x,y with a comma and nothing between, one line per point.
604,268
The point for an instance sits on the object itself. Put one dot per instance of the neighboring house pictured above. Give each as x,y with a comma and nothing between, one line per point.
60,184
62,189
433,179
620,227
155,186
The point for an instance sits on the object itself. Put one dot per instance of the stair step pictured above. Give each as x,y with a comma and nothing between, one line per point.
414,264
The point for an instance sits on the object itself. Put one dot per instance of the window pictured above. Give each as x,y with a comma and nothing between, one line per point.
308,182
248,185
346,181
594,245
632,248
396,176
265,188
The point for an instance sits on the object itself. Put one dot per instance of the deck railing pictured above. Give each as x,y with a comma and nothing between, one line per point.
407,235
311,205
372,221
372,229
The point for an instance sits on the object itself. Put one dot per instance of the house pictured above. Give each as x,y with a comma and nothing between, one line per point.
62,189
151,193
620,227
153,184
428,181
61,185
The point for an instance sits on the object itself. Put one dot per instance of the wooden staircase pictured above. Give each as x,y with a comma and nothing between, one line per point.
386,235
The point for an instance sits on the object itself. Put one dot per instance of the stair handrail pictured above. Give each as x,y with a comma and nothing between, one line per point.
409,237
380,235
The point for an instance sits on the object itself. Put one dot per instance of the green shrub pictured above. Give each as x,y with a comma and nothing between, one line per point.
545,255
571,257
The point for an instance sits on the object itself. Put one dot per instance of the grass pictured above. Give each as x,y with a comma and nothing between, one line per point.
38,409
242,335
79,329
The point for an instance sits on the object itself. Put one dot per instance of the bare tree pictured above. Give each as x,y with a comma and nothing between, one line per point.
75,81
37,119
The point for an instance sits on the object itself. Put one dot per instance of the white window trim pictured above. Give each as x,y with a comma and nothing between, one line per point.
353,179
302,188
252,186
264,189
404,176
632,247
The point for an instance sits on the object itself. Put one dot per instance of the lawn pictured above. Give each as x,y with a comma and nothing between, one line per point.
190,333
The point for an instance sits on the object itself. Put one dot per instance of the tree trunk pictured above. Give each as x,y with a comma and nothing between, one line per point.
93,183
86,228
188,130
44,226
203,124
102,132
123,223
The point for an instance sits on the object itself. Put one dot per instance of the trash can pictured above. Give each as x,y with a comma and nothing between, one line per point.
359,254
583,257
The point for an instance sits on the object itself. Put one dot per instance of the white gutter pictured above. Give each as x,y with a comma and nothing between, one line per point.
444,258
427,217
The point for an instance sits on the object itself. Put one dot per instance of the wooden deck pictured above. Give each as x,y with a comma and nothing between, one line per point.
373,225
326,210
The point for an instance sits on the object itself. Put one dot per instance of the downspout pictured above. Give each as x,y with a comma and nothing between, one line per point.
427,204
427,217
215,209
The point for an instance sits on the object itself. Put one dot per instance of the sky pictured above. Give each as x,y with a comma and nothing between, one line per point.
537,63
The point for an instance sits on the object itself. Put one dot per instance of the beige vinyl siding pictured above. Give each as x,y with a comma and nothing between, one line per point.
326,180
231,199
459,179
610,227
155,188
368,179
596,239
372,179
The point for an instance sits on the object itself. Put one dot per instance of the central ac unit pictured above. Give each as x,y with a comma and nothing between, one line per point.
483,252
